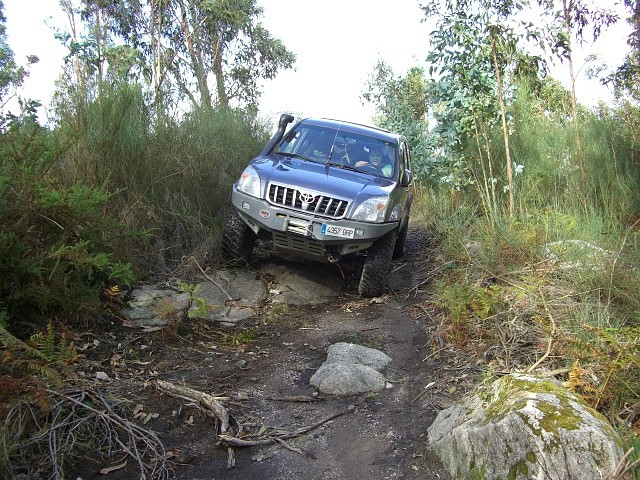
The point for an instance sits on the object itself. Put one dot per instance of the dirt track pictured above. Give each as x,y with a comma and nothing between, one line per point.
378,436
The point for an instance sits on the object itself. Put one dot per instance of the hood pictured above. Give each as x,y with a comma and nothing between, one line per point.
309,175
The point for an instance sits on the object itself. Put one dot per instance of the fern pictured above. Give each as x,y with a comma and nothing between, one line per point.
55,352
43,356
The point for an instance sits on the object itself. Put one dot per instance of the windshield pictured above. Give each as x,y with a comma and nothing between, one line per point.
341,149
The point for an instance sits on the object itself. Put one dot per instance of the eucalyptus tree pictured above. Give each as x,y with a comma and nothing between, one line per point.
12,75
577,18
401,105
216,51
625,78
473,44
209,52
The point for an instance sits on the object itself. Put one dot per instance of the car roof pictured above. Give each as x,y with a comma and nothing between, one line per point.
351,127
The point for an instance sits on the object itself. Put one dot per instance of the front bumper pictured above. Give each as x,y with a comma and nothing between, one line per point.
298,231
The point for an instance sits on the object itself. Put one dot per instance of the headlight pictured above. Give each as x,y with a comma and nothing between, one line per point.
372,210
249,182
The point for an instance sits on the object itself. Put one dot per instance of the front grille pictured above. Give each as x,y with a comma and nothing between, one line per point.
307,201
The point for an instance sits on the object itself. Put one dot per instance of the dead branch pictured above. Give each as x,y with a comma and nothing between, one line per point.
624,467
240,438
76,419
427,279
300,398
209,402
276,435
212,280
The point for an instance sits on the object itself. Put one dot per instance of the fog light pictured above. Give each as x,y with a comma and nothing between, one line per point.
246,205
359,232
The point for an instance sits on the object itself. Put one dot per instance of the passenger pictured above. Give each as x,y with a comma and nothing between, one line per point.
375,160
340,154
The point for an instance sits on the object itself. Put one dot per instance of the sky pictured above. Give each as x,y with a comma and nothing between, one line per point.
337,44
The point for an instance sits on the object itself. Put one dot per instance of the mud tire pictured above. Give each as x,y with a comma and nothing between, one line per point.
237,241
376,266
399,249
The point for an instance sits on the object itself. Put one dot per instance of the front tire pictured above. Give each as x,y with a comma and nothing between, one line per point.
376,266
237,241
399,249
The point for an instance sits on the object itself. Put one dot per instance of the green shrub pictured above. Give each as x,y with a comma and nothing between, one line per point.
56,250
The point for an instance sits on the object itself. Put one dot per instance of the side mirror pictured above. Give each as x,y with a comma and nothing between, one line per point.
406,179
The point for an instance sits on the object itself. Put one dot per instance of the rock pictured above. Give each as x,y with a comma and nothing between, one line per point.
352,353
525,427
341,378
309,286
351,369
154,306
242,285
576,255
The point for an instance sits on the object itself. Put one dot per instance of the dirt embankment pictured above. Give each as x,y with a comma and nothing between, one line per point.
262,369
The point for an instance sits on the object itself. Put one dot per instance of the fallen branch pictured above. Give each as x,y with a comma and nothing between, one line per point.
268,438
264,436
75,419
212,280
301,399
207,401
625,466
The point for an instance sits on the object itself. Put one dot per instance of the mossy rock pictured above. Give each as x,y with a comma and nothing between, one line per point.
525,427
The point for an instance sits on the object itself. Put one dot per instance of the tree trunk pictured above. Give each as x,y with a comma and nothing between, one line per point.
566,9
503,114
194,49
223,99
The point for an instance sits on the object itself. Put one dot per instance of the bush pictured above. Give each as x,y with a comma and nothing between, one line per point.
56,250
169,179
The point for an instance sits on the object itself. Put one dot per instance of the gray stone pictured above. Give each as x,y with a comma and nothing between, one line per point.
154,306
309,286
351,353
351,369
232,295
347,379
525,427
576,255
245,290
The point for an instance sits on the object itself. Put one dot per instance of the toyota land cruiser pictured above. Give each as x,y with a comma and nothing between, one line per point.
325,189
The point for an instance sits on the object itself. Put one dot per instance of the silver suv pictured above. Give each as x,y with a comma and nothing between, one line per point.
325,189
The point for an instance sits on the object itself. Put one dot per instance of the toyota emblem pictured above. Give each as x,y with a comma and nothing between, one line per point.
307,197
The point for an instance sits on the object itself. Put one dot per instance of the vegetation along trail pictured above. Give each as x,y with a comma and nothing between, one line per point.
522,254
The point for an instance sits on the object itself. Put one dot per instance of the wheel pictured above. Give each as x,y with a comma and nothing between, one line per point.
399,249
237,240
376,266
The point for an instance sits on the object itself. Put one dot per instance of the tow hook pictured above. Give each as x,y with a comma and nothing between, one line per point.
333,259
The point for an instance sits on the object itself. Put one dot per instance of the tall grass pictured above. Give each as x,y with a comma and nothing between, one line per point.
170,180
589,286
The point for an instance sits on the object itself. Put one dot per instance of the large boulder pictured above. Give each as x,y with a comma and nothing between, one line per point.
525,427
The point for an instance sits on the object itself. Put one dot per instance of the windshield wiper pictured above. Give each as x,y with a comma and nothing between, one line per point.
293,155
345,166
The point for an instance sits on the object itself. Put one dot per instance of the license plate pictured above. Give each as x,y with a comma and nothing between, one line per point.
334,231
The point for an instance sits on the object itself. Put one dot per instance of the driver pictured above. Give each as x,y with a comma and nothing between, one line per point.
375,160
